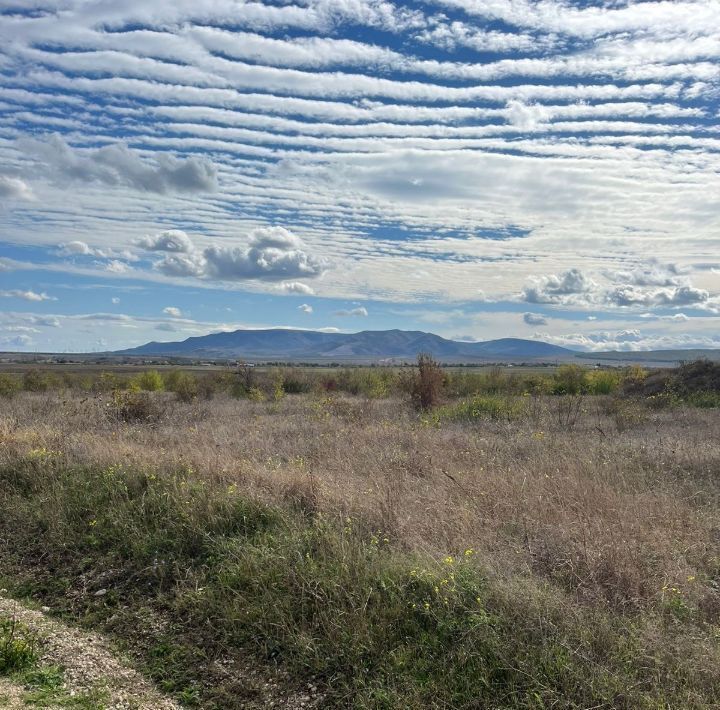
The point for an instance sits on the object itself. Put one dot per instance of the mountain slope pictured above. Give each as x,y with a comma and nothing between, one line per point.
285,344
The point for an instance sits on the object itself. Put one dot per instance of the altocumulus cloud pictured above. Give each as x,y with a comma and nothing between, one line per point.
272,254
118,165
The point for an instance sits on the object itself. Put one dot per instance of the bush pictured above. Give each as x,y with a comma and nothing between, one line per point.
183,384
570,379
293,382
36,381
602,382
704,400
427,384
107,382
149,381
134,407
9,386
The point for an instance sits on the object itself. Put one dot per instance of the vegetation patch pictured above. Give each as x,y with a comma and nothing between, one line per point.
323,597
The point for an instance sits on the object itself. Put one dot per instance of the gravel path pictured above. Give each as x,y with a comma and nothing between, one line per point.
88,662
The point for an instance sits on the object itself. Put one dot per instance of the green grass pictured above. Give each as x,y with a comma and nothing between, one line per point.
331,598
44,685
488,407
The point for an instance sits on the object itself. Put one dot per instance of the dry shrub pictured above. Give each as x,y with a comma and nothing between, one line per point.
133,407
425,386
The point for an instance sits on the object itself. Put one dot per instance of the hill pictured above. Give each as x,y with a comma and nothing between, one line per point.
369,345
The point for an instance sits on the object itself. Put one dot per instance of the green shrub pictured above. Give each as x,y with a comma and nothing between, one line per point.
9,386
570,379
704,400
293,382
183,384
602,382
492,407
148,381
36,381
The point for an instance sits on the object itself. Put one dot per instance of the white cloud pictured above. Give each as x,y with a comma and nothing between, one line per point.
271,254
534,319
305,308
117,267
297,287
115,300
645,287
172,311
14,189
352,312
569,286
172,240
27,295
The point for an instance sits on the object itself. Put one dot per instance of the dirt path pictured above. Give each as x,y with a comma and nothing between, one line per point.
90,667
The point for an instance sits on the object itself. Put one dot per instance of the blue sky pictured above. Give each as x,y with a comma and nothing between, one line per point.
477,168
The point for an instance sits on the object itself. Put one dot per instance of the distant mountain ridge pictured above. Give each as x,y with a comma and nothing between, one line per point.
308,345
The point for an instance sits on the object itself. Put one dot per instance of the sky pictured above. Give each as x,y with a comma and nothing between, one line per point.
475,168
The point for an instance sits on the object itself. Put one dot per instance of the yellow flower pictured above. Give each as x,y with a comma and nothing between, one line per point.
469,552
448,560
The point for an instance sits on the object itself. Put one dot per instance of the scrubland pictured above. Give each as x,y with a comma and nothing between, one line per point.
544,541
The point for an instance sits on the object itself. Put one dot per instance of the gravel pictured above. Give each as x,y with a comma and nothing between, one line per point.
88,662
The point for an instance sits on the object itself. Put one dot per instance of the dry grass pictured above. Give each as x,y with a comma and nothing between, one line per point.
607,511
617,513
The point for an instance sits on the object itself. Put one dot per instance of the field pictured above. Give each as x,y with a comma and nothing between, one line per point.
524,540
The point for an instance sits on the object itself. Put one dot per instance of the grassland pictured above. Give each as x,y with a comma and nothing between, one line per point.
509,548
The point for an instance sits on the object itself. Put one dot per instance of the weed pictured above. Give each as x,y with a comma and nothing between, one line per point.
18,647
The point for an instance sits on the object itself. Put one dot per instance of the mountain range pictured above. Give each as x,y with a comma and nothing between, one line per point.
280,344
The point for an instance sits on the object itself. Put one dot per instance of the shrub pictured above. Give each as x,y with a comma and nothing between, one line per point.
134,407
149,381
9,386
183,384
427,384
570,379
602,382
704,400
293,382
107,382
35,381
